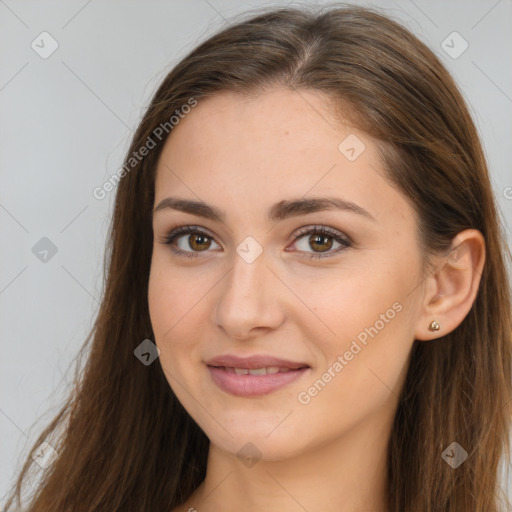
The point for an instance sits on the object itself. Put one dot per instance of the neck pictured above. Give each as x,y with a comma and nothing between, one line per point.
348,474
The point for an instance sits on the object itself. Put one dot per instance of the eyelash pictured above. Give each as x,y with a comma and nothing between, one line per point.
345,242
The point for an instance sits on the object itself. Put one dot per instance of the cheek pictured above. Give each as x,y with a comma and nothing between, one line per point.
176,298
172,296
174,302
161,303
363,364
342,304
363,318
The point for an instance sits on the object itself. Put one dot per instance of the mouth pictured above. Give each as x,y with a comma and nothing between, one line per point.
254,382
265,370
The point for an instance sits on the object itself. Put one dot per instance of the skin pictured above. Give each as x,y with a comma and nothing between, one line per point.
242,155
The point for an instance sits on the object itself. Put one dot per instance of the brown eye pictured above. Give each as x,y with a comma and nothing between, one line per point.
189,240
199,242
321,243
317,242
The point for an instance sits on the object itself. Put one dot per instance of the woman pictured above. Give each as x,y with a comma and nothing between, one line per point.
307,305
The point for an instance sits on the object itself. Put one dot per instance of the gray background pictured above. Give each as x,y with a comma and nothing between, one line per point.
66,122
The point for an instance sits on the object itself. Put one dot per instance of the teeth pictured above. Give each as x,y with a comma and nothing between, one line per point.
256,371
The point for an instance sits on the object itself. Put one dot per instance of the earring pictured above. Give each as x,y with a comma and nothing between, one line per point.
434,326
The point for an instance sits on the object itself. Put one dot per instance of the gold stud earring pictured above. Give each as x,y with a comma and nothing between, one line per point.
434,326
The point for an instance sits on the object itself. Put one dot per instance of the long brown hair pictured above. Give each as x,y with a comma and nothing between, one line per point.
124,441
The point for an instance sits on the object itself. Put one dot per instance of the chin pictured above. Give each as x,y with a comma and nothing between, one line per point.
259,439
250,449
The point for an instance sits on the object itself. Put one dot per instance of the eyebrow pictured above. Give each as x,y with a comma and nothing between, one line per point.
277,212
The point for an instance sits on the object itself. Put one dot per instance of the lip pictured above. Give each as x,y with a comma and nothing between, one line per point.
253,385
255,361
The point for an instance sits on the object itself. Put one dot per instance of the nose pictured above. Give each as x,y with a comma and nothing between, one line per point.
249,303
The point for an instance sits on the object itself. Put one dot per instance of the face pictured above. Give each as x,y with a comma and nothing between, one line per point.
333,288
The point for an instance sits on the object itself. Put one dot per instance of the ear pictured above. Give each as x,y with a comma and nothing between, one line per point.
450,290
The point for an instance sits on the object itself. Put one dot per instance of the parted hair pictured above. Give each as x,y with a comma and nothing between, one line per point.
124,441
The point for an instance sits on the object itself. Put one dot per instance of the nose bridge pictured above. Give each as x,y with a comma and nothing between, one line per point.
246,282
246,301
250,275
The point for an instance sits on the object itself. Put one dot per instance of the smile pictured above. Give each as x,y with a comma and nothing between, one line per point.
252,382
256,371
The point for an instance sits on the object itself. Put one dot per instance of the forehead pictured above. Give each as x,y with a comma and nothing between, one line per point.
254,151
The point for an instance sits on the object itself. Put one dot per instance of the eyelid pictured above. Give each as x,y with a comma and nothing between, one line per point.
188,230
323,229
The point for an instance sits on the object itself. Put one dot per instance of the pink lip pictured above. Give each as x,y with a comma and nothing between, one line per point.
252,385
